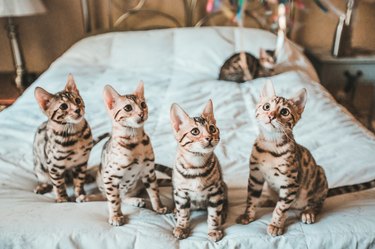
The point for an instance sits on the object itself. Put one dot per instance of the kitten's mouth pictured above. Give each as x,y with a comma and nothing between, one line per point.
209,145
270,123
140,121
75,120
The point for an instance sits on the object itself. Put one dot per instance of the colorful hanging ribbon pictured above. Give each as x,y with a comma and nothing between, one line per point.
321,6
239,13
213,5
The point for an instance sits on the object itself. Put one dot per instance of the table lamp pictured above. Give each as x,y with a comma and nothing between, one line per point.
15,8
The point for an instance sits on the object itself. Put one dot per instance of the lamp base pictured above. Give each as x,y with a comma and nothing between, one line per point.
17,55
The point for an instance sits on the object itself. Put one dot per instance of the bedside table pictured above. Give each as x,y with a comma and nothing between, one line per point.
8,90
350,79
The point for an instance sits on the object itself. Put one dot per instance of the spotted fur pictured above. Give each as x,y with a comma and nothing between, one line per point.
243,66
290,171
63,142
288,168
197,179
127,163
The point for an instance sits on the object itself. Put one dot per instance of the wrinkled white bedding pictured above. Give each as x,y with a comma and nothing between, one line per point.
181,65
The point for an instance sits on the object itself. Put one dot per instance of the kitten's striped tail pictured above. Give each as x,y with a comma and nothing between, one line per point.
166,171
351,188
101,137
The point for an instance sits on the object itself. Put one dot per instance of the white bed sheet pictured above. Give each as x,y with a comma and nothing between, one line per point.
181,65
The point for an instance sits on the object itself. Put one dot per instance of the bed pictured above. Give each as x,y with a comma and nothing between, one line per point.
181,65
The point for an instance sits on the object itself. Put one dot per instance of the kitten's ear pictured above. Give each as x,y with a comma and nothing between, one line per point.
43,98
262,53
140,91
178,117
208,111
268,91
110,97
71,84
300,100
266,59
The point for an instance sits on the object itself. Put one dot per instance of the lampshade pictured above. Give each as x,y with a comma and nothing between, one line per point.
21,7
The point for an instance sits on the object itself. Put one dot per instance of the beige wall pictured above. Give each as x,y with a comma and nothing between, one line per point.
45,37
315,28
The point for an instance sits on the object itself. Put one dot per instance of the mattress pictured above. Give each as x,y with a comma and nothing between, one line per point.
182,66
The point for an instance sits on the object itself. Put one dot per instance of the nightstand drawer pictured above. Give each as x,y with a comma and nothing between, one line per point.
331,70
351,81
8,90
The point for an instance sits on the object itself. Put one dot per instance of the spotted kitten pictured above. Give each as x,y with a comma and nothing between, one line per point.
127,163
243,66
289,169
197,178
63,142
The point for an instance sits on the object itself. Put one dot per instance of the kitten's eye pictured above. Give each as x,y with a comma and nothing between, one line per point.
266,107
212,129
78,101
284,112
143,105
63,106
128,108
195,131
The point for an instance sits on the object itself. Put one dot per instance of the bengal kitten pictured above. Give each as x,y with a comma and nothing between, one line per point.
127,163
63,142
243,66
289,169
197,179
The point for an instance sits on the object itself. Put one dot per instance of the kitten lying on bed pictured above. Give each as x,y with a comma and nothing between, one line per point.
243,66
197,178
127,159
63,142
289,169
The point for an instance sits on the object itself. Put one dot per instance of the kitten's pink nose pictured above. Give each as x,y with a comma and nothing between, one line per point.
141,115
271,116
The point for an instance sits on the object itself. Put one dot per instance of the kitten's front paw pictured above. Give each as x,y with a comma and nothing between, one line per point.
215,235
140,203
43,188
308,217
181,233
244,219
81,198
117,220
135,202
79,192
161,210
274,230
62,199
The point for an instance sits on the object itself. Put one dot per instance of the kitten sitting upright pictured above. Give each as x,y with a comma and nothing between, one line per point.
243,66
288,168
197,179
127,163
63,142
